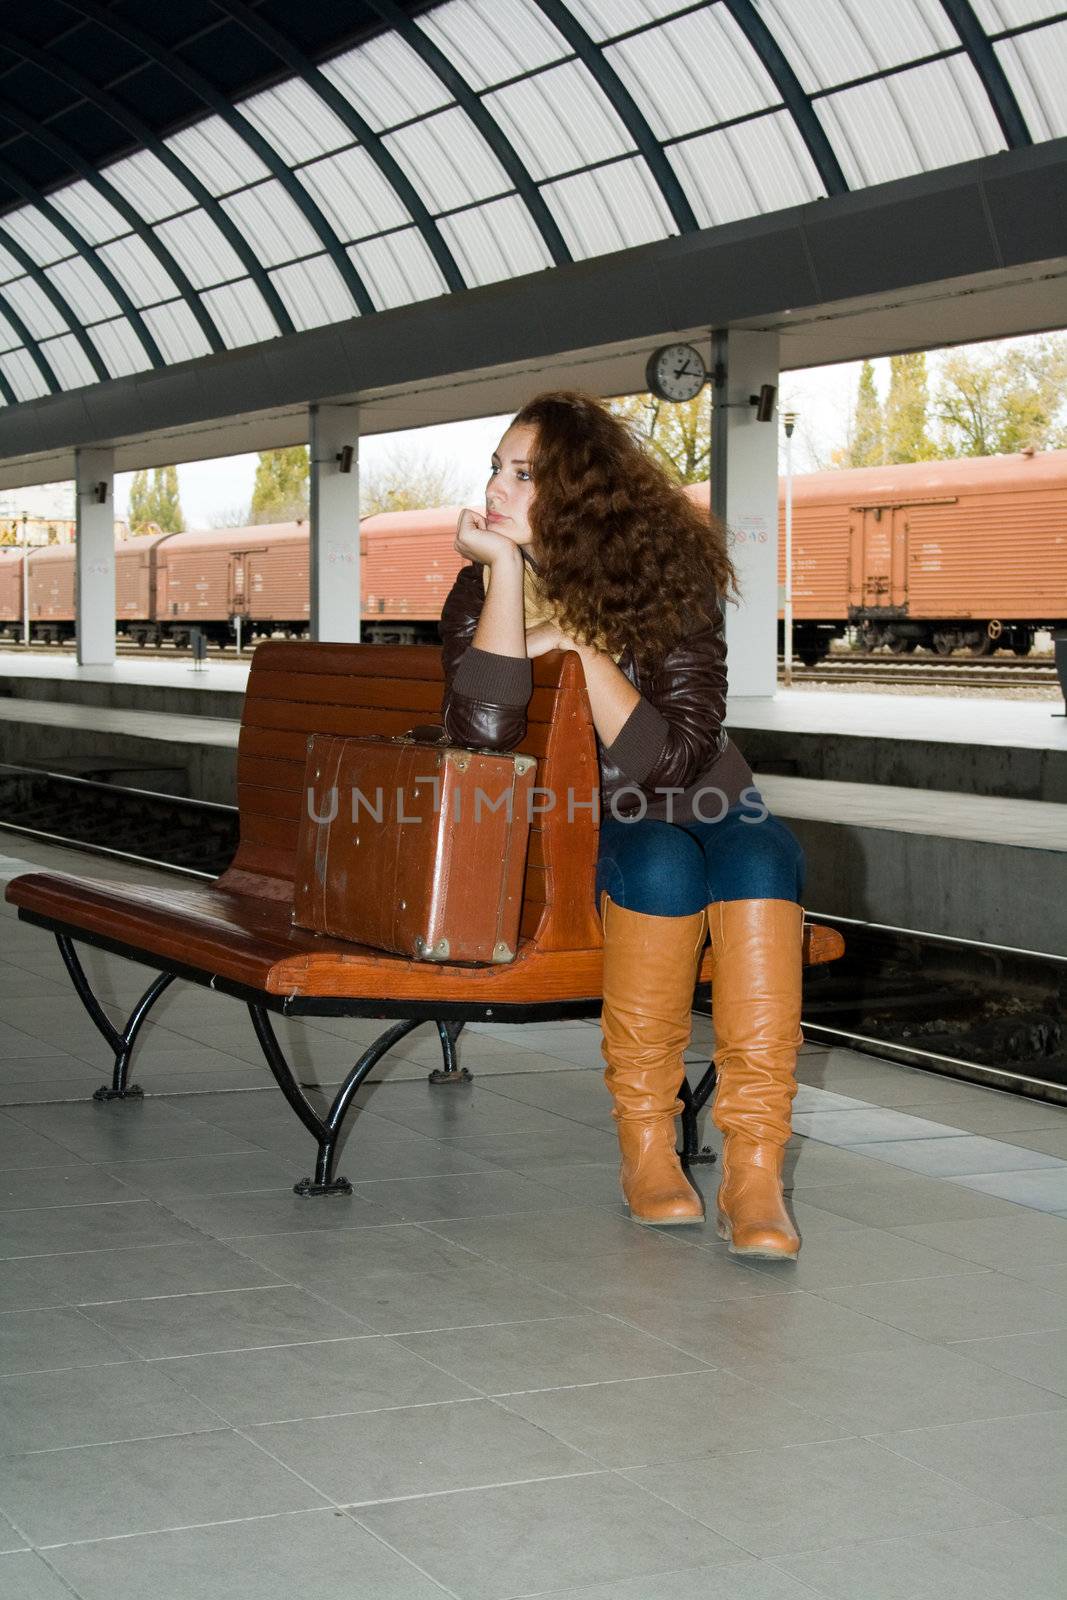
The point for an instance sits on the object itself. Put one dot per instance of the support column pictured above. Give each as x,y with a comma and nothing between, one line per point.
744,494
333,432
94,557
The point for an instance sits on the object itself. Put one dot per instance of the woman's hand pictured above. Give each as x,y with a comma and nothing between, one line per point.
478,542
544,637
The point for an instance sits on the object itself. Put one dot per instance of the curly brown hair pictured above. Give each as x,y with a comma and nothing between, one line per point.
625,556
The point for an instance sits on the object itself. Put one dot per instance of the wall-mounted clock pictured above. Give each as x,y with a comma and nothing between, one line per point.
676,372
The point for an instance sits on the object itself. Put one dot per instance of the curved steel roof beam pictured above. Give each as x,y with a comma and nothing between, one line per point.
206,91
345,112
80,244
37,355
986,63
629,112
487,126
123,117
63,309
10,397
66,152
789,87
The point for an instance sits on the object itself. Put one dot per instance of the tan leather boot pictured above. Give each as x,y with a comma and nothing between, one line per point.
757,965
650,967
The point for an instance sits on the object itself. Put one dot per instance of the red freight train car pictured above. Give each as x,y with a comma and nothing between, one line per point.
944,553
10,591
970,552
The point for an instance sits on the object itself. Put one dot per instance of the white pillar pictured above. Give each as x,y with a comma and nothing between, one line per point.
744,493
334,512
94,578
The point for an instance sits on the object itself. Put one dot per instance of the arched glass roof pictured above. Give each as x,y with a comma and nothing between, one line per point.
188,179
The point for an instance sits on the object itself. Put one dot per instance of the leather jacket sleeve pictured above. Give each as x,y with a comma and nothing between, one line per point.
486,694
675,730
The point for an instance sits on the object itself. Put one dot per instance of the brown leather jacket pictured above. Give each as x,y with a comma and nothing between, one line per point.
672,760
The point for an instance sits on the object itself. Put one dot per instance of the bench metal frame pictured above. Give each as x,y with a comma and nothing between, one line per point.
450,1018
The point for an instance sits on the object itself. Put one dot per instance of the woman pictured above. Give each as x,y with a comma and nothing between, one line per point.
586,545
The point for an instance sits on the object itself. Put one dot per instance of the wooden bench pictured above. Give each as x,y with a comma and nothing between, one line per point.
234,935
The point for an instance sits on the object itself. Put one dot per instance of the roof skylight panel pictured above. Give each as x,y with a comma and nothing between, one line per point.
448,161
120,347
610,208
559,121
221,159
149,185
31,303
495,241
137,270
386,81
313,292
750,168
296,121
240,313
398,270
693,72
353,194
68,361
828,42
1035,65
201,249
915,121
93,216
23,374
272,223
176,331
36,235
488,41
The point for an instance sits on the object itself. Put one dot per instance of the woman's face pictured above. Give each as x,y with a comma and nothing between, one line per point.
510,490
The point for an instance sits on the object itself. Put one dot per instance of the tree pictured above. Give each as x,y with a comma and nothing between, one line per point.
409,480
679,436
229,517
1001,400
280,491
155,502
906,435
866,447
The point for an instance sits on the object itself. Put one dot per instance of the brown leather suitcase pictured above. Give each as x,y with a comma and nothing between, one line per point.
414,845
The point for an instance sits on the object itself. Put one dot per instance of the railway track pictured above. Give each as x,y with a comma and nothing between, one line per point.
970,1011
964,673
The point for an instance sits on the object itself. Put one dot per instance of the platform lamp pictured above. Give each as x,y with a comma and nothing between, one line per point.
25,582
789,422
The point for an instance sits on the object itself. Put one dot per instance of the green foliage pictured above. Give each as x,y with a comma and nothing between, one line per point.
679,436
906,435
867,445
992,401
409,480
155,501
280,491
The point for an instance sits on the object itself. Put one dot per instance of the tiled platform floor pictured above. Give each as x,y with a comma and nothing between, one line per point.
477,1377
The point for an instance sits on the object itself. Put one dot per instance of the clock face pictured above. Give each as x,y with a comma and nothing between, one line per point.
675,372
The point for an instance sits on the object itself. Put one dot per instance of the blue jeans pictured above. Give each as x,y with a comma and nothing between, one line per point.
671,869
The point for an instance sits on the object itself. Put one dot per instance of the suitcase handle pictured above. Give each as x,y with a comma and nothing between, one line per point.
434,733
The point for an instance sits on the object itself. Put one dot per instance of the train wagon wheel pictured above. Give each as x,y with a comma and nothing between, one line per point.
902,647
984,646
944,644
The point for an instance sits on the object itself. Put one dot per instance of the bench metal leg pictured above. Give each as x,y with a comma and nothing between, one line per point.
122,1043
692,1152
451,1072
326,1130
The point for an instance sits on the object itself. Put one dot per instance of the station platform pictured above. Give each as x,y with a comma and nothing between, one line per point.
199,1368
935,837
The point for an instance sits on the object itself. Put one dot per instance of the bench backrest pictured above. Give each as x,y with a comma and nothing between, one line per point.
295,689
